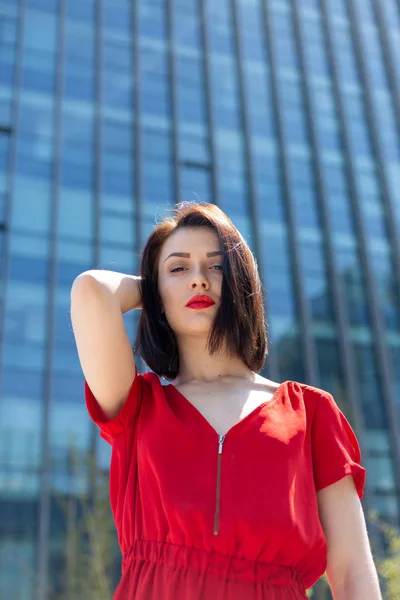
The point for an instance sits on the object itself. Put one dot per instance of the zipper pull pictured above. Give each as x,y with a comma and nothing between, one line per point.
221,440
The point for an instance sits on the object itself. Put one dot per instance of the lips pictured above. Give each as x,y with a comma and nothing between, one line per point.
200,302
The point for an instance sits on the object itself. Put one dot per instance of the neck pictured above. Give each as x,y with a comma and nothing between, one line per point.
196,365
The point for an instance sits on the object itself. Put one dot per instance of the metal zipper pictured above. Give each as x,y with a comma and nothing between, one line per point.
221,440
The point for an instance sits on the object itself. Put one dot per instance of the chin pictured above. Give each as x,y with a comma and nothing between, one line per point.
195,323
192,328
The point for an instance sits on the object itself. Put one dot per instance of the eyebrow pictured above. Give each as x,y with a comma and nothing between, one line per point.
187,254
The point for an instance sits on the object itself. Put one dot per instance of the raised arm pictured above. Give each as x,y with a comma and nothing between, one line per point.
98,301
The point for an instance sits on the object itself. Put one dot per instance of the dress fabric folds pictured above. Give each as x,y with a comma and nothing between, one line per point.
198,518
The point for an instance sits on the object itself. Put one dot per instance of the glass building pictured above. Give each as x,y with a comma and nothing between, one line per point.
286,114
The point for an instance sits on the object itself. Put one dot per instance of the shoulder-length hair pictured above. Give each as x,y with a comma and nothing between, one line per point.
240,318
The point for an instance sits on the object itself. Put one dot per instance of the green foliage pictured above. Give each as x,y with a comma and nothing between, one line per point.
320,590
90,539
83,546
388,566
89,545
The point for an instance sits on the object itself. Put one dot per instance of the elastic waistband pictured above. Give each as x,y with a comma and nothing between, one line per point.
210,561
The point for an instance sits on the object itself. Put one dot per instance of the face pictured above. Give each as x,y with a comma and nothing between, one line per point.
182,277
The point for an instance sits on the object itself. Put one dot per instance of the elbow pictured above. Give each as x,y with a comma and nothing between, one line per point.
357,586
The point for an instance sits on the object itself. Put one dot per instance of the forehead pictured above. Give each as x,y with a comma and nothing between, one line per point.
187,238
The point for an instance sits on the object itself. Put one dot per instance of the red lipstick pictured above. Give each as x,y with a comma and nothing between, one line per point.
198,302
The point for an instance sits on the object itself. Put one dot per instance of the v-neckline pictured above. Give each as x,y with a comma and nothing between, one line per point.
252,413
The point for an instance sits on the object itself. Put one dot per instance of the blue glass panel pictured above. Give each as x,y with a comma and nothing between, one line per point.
4,144
152,20
117,230
187,29
117,16
79,84
75,215
30,209
219,25
195,184
191,105
117,90
30,356
155,143
45,5
117,258
153,83
5,110
75,253
8,32
117,55
370,387
34,158
194,148
117,178
75,176
78,125
67,271
26,312
17,382
24,268
79,43
117,135
189,72
36,114
40,31
38,81
81,11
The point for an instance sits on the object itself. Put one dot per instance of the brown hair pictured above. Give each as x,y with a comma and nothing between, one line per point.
240,319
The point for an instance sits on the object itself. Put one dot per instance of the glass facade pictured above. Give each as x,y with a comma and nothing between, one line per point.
285,113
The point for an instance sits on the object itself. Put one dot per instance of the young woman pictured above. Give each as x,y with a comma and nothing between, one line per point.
224,485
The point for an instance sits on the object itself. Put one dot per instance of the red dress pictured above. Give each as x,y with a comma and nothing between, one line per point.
236,518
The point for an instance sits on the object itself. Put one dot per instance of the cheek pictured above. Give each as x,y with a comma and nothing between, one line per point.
168,292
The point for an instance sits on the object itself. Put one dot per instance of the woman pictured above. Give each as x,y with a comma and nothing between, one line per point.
224,485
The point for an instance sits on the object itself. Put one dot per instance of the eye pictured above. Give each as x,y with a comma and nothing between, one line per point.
176,268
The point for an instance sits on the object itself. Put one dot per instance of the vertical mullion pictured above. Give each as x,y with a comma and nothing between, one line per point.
253,204
11,162
383,359
136,124
172,96
97,180
250,180
377,327
45,484
137,186
342,324
304,320
209,113
137,146
389,59
380,160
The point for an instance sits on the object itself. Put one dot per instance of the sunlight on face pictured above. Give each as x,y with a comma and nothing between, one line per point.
182,277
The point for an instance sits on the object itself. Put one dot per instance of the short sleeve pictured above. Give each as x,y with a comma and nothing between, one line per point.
111,428
335,448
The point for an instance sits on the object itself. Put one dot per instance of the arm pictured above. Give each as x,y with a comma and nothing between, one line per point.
98,300
350,567
126,288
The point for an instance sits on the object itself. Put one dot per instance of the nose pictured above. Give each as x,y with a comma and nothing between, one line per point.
203,285
199,279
